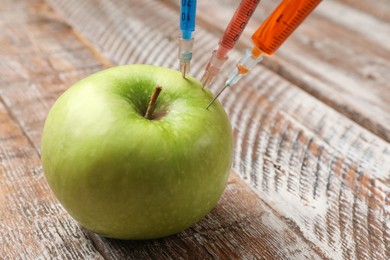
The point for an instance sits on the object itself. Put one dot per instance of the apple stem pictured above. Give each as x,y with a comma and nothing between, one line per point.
152,101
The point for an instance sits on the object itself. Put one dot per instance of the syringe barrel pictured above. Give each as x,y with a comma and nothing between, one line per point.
187,18
281,23
236,26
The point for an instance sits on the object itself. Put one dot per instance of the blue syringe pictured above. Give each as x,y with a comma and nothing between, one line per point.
187,26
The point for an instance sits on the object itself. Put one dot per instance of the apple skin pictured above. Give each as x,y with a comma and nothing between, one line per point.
123,176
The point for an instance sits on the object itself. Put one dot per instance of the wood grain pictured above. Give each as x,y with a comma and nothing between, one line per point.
380,9
316,182
32,224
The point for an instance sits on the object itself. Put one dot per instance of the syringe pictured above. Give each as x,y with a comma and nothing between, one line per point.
187,26
270,36
233,31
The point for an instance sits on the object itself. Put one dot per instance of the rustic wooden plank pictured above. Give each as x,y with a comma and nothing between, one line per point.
338,49
379,9
325,176
303,179
34,225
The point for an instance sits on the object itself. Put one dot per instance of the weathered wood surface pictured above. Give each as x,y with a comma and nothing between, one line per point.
317,182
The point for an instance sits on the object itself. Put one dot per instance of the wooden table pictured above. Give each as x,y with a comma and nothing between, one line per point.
312,127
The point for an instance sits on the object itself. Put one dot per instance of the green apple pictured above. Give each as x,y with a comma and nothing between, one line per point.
124,176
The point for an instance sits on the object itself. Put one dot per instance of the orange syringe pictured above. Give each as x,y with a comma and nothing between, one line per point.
271,35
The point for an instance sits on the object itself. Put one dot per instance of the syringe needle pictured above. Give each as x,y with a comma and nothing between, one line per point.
215,98
243,67
184,68
183,72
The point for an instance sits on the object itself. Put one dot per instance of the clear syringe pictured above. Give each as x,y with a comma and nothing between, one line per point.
187,26
229,38
270,36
